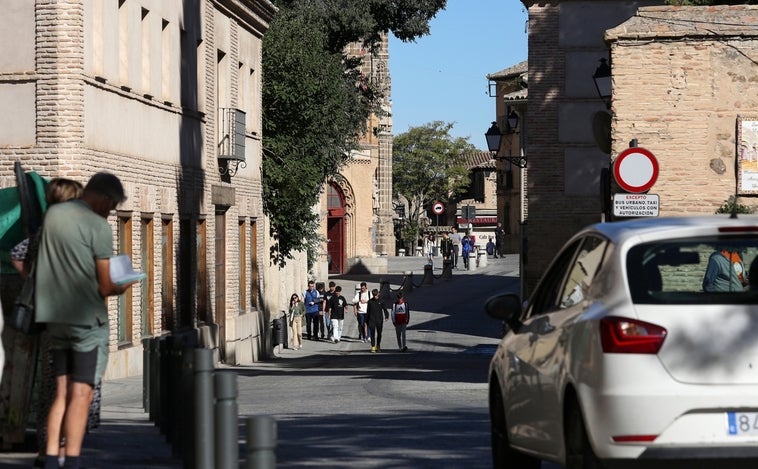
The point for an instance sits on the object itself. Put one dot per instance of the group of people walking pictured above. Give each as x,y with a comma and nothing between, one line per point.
323,312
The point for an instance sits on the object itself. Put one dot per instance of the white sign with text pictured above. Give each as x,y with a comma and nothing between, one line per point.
635,205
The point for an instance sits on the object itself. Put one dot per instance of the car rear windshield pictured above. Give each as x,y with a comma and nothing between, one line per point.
694,270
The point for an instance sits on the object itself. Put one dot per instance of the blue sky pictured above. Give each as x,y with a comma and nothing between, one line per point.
442,76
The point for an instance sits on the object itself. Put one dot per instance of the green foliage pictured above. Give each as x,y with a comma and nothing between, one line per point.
732,206
316,103
428,165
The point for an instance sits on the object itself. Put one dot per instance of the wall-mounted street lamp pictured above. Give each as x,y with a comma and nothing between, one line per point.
602,78
512,121
494,138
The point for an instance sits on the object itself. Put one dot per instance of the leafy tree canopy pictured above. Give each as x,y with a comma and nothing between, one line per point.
427,165
316,102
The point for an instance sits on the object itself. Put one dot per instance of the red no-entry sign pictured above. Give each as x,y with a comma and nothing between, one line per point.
635,170
438,208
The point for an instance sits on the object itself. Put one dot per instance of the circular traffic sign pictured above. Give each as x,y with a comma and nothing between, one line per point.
635,170
438,208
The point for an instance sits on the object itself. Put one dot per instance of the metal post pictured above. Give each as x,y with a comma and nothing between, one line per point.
187,409
428,275
146,374
408,282
164,350
447,269
227,451
155,389
203,423
261,442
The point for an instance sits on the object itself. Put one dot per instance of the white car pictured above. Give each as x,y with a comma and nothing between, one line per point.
639,346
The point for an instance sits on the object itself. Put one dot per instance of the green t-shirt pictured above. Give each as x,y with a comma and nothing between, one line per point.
66,287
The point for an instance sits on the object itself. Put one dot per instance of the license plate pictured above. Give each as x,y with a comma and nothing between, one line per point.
742,423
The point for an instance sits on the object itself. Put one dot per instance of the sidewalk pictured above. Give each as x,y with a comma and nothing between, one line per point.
127,439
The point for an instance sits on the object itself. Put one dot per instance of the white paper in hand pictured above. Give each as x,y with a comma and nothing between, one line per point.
122,270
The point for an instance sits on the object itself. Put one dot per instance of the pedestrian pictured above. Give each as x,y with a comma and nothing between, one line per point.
327,319
22,255
360,305
295,314
72,277
725,271
499,240
466,249
375,318
312,303
491,248
429,248
320,327
446,247
401,316
336,307
455,237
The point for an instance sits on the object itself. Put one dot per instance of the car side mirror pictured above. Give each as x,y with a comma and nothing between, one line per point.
506,307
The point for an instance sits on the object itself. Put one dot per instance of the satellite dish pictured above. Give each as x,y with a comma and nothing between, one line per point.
601,130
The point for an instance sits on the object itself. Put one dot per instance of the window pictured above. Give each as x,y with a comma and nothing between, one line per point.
124,301
546,295
254,277
694,270
242,266
586,265
167,274
147,289
201,278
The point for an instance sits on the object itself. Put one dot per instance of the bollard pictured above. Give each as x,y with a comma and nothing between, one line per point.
385,293
447,269
261,442
408,282
428,275
174,403
187,409
204,447
482,257
155,390
227,434
472,261
146,374
164,356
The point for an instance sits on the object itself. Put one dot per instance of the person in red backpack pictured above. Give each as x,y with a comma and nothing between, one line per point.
401,316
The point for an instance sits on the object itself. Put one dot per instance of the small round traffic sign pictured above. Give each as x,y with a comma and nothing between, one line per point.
438,208
635,169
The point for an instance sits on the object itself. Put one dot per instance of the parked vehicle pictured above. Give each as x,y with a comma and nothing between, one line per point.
626,353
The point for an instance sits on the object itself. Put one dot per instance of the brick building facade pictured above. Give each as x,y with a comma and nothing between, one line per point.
166,95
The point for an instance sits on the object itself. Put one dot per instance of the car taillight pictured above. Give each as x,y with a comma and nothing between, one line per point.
623,335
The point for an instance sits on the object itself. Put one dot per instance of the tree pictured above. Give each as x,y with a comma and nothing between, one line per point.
316,103
427,165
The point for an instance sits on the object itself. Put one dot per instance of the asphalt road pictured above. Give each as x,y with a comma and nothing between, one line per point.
338,405
342,406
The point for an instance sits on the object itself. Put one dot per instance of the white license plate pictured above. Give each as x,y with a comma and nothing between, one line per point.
742,423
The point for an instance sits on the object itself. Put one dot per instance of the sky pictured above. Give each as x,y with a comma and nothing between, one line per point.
443,76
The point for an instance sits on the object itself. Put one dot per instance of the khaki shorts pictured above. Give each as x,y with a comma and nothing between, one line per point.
79,351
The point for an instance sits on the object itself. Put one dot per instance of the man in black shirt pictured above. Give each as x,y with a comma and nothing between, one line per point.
335,307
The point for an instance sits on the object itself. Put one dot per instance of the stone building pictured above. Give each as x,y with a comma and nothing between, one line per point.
166,95
356,206
510,92
683,88
566,120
